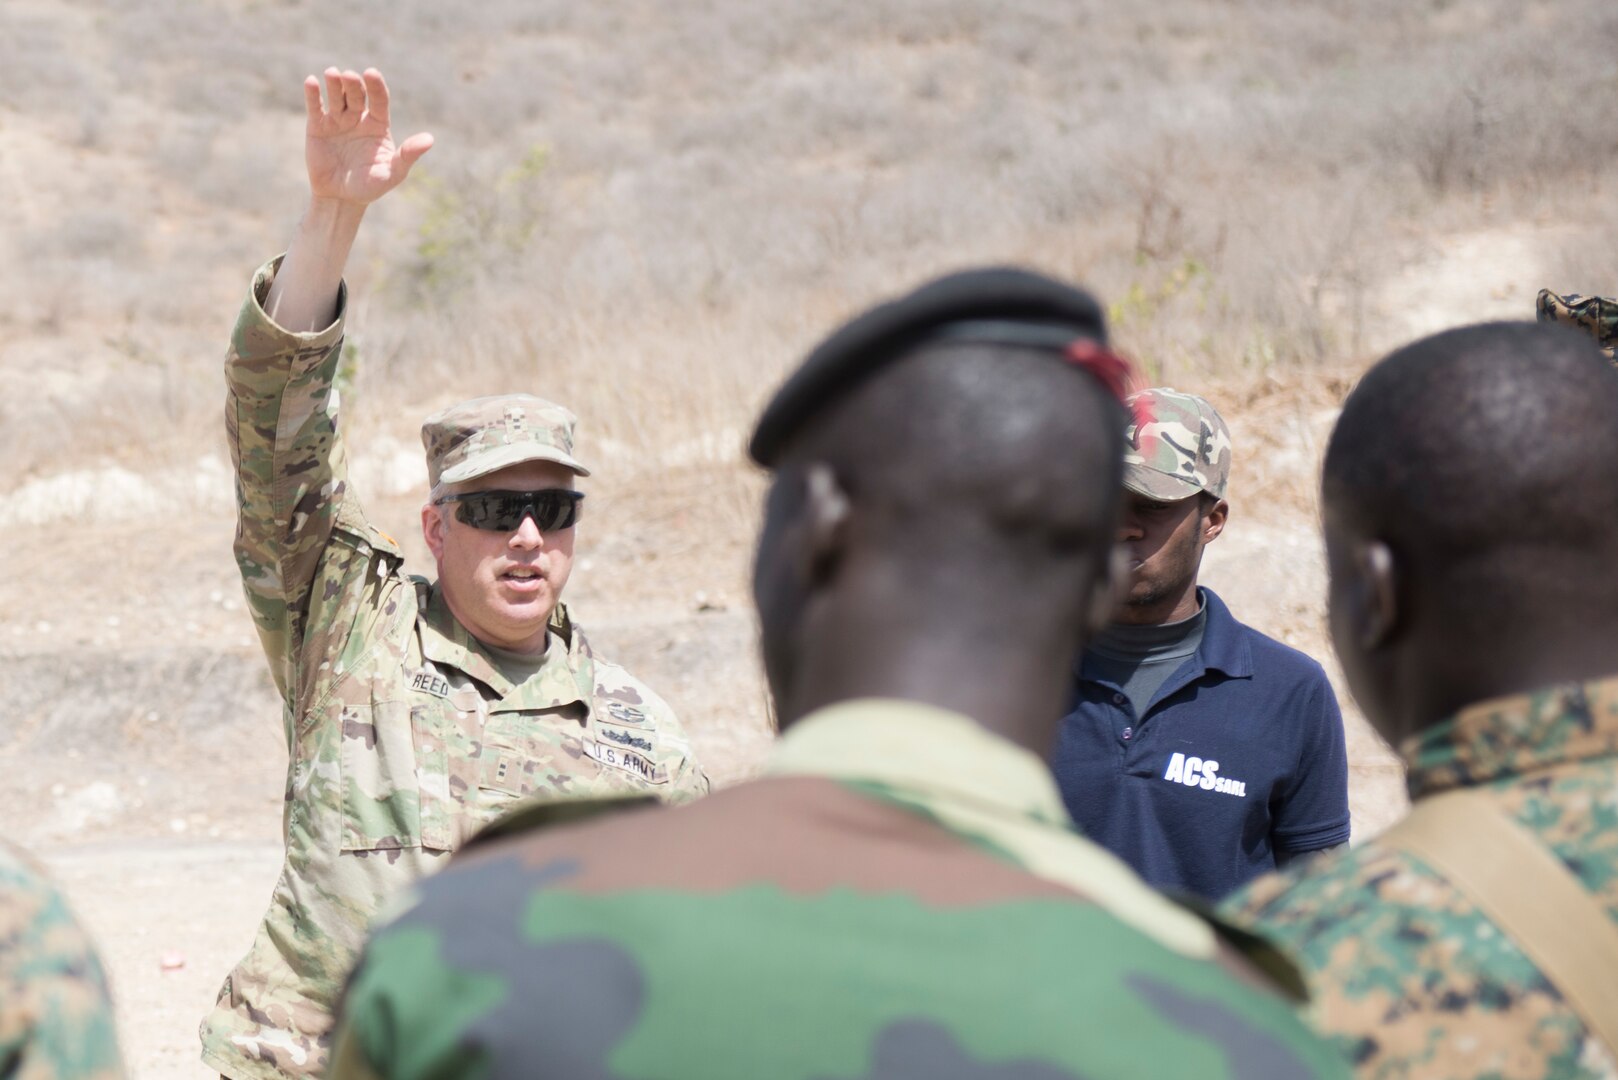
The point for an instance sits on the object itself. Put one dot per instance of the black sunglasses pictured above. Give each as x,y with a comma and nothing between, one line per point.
503,511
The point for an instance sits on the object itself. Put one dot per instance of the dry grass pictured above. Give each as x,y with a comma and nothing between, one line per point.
649,211
724,182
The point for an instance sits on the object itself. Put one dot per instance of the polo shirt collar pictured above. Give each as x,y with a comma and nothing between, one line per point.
920,749
1224,646
1513,735
446,642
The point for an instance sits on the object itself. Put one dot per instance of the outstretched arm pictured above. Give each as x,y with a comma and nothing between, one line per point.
352,161
281,414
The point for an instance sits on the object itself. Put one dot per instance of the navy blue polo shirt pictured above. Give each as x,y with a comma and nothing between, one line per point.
1238,755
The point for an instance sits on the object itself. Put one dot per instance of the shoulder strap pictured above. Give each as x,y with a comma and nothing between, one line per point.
1528,892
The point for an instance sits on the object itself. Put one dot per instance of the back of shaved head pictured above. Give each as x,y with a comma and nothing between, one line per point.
975,451
1470,497
1484,442
942,532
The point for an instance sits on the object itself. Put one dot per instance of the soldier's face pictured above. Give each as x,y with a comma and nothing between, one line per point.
502,586
1163,542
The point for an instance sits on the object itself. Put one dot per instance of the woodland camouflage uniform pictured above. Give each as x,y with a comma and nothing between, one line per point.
405,734
56,1022
1407,975
902,896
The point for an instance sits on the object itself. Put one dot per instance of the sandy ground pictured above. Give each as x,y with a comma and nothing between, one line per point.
193,902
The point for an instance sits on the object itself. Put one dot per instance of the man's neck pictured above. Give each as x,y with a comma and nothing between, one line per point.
1170,610
532,646
1128,641
518,658
1017,693
1447,680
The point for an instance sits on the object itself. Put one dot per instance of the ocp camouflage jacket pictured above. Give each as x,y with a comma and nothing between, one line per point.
404,736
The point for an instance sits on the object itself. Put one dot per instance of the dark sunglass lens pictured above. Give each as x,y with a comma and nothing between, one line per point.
494,510
555,510
503,511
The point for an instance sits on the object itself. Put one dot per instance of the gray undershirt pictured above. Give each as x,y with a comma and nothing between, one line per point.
518,667
1140,659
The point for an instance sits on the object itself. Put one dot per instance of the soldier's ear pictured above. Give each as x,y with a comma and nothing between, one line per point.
1375,598
432,529
1213,522
827,510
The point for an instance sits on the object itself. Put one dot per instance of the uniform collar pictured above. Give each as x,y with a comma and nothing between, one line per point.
986,790
559,682
1512,735
909,747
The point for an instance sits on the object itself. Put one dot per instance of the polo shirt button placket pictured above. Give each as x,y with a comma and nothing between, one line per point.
1128,731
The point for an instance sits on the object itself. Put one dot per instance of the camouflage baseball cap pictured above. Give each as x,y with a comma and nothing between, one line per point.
477,437
1595,315
1178,446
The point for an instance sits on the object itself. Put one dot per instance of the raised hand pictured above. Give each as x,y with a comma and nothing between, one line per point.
349,147
352,162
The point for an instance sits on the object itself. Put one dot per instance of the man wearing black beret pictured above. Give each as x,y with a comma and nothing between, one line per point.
902,895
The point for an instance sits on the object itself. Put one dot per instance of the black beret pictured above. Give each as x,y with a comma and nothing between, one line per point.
999,305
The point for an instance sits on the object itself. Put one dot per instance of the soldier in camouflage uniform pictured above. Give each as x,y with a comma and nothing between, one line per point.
1470,500
56,1022
416,711
902,895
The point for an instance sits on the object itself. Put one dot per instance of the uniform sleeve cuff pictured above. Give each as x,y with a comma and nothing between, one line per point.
257,324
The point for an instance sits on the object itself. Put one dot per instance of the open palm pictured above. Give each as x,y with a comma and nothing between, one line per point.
349,147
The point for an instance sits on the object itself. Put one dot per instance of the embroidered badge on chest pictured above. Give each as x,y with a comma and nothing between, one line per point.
626,760
428,681
625,714
626,738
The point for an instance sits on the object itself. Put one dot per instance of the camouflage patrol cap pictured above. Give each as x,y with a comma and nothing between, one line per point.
1178,446
1595,315
477,437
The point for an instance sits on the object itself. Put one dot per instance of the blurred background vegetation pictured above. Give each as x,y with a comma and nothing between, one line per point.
648,210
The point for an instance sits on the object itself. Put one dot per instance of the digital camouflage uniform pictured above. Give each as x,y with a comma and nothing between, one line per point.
1595,315
56,1021
902,896
1408,977
405,735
